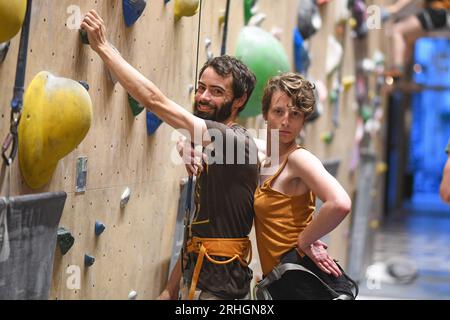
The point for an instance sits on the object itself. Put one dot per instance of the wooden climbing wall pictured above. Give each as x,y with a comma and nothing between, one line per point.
134,251
343,142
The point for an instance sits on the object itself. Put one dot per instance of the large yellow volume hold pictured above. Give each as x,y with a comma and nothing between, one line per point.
56,116
185,8
12,14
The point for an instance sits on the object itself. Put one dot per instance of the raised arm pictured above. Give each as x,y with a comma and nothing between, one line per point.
141,88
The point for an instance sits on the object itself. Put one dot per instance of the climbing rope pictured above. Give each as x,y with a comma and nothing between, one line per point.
187,210
198,43
225,29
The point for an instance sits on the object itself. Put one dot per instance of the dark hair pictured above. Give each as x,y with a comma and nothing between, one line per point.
243,78
296,87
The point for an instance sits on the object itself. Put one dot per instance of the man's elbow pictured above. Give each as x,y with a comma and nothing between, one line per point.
152,100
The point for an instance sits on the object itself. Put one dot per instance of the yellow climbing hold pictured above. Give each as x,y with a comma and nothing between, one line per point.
56,117
381,167
12,14
374,224
185,8
352,22
347,82
221,18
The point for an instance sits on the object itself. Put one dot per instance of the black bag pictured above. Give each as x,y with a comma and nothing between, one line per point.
297,278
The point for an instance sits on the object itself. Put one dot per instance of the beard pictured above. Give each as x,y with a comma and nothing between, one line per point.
219,114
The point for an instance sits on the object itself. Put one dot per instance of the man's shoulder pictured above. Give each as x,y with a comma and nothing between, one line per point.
235,129
238,129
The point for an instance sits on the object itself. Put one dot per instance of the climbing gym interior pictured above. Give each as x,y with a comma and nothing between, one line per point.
93,193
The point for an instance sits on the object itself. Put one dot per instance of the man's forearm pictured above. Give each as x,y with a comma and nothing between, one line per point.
132,80
141,88
149,96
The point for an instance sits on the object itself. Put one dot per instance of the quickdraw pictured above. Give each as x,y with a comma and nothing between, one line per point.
225,29
11,140
187,211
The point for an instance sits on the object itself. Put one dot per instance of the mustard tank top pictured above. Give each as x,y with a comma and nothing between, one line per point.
279,219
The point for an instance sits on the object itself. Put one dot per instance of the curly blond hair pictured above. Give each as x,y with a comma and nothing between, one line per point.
294,86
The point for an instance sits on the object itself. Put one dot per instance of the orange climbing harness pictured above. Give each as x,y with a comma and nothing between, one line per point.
440,4
232,248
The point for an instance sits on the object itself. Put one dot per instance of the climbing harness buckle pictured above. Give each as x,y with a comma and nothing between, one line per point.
11,139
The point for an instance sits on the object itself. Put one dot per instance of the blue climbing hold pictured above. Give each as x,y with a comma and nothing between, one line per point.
132,10
153,123
99,228
84,84
88,260
301,55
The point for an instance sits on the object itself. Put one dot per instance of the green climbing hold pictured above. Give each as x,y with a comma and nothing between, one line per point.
65,240
333,96
327,137
136,108
265,56
83,36
366,112
248,6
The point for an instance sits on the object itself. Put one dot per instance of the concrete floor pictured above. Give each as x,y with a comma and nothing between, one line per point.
419,235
